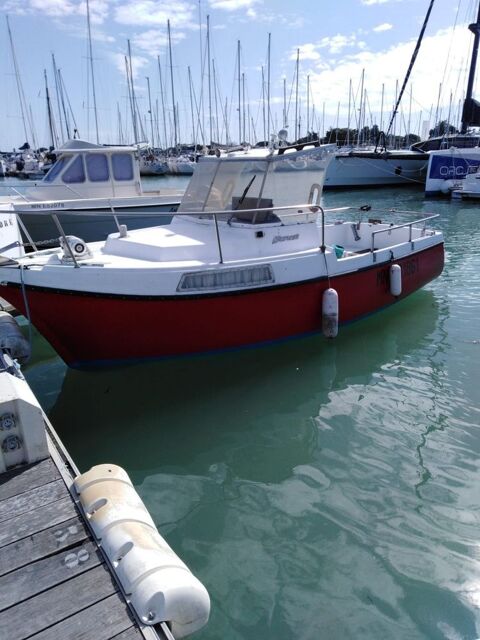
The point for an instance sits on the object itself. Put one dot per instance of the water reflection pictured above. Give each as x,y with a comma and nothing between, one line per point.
257,407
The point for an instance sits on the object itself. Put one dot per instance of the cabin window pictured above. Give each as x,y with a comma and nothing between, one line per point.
122,166
97,167
55,170
75,172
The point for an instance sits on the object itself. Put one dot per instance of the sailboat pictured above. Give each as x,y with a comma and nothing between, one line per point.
457,156
381,167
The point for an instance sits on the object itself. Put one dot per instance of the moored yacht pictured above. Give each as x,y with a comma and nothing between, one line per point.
359,168
86,185
249,258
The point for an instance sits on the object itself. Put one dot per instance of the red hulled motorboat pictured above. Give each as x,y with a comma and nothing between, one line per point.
241,263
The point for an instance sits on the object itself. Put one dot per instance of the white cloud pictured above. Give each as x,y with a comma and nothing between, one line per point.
138,63
386,26
99,9
332,44
154,41
232,5
388,68
335,44
307,52
371,2
151,13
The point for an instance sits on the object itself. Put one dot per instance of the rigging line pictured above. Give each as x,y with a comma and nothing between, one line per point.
410,66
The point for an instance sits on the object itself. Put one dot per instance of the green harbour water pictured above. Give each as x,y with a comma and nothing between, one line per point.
319,489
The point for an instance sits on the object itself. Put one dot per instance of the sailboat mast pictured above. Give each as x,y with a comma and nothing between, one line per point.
466,116
308,103
21,97
131,97
194,137
209,82
268,86
239,95
162,97
152,140
263,107
173,89
57,91
215,95
53,133
62,100
243,104
296,96
349,111
91,70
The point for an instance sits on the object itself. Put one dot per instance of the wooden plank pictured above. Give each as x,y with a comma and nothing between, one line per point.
44,574
42,544
102,621
22,479
37,520
57,604
133,633
33,499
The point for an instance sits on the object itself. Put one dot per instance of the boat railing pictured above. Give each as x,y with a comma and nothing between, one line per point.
408,225
288,215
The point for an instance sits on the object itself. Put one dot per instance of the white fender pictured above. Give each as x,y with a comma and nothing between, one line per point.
159,586
395,279
330,313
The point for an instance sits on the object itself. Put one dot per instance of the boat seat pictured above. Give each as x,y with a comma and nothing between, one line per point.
258,217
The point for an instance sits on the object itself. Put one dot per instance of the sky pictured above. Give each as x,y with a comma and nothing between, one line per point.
343,45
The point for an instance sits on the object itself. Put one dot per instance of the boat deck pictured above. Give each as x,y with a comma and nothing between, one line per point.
54,580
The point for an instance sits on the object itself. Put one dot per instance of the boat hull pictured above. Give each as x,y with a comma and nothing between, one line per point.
448,168
365,169
92,330
96,224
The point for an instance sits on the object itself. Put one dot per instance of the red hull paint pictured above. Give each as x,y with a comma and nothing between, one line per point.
87,329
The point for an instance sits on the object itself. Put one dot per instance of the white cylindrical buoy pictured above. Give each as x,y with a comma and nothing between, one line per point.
395,280
330,313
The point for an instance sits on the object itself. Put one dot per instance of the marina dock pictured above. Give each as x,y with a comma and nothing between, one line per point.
56,580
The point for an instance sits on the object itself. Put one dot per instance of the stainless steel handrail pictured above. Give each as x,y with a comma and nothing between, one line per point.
301,209
400,226
312,208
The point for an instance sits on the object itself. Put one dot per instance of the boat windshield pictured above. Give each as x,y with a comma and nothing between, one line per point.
56,169
239,183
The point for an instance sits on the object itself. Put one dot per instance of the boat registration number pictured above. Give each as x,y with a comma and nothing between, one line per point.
49,205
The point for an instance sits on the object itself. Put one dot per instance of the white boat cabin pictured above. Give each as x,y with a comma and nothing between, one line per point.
86,171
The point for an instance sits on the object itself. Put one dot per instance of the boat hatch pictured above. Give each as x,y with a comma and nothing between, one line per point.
226,278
